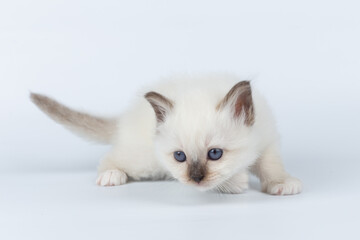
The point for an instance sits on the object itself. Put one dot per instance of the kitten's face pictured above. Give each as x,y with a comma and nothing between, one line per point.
205,157
201,144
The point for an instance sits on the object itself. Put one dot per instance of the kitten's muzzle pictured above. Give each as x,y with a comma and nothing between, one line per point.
197,171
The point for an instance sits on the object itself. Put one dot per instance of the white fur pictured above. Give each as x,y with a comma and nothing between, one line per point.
143,151
111,178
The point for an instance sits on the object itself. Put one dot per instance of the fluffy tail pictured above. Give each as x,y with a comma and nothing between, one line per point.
91,127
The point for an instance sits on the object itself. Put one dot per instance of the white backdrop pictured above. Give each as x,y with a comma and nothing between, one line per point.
94,55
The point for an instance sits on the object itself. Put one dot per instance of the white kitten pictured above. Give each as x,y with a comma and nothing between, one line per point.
206,131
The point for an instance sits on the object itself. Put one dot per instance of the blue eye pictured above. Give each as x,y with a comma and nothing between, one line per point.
215,154
180,156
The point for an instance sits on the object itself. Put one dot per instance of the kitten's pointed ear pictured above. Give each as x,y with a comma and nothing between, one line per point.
161,105
239,99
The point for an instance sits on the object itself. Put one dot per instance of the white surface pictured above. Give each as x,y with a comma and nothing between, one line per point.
94,55
68,206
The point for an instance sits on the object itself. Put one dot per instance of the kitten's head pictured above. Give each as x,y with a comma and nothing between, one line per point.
204,141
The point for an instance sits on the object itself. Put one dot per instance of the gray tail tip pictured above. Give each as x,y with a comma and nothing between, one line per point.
37,98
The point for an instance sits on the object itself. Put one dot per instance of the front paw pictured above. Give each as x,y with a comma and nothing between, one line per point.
113,177
288,186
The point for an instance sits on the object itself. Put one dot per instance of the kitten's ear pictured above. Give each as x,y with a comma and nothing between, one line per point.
161,105
239,98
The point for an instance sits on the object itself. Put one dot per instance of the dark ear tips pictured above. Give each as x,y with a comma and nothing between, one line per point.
240,99
160,104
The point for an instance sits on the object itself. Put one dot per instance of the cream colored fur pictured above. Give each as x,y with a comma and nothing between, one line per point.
143,147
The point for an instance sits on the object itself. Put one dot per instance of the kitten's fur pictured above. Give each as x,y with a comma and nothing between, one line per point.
190,114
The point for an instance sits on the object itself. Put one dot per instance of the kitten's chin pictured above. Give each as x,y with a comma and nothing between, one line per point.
202,186
205,188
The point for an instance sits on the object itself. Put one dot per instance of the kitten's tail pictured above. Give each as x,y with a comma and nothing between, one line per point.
91,127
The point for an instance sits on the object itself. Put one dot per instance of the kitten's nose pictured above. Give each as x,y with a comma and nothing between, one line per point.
198,178
197,171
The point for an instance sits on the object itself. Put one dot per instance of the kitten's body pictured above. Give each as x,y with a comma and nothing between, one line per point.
190,117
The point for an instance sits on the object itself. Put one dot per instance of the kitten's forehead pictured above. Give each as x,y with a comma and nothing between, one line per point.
195,123
195,107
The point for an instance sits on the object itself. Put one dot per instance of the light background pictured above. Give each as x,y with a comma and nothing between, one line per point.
304,56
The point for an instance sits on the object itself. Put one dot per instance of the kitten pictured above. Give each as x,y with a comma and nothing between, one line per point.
206,131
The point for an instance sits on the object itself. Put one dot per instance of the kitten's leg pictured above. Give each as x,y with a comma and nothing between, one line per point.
274,179
109,174
236,184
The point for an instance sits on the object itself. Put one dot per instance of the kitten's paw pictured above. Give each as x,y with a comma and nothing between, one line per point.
113,177
288,186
